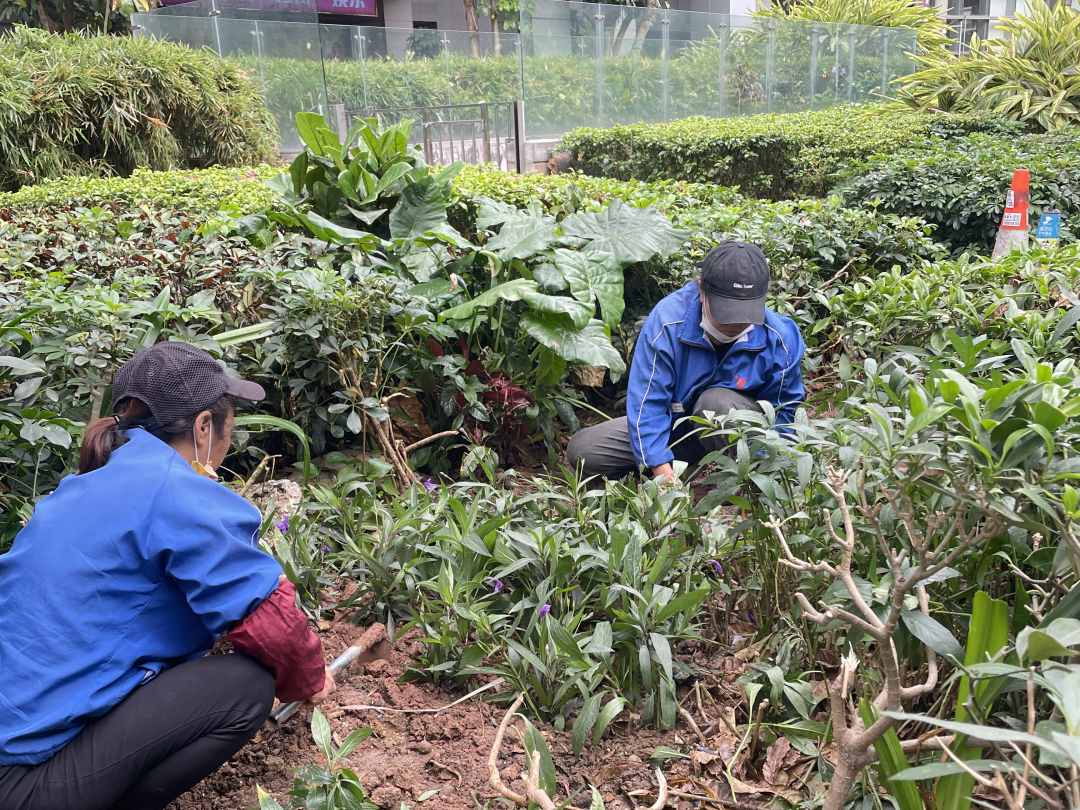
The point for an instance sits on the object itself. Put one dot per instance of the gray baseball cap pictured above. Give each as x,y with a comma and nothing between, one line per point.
735,279
175,380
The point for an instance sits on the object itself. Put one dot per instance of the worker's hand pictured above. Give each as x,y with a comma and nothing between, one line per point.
664,474
328,686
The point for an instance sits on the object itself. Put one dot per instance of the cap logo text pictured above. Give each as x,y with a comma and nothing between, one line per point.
737,286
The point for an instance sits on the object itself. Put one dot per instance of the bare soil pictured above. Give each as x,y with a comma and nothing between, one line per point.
440,760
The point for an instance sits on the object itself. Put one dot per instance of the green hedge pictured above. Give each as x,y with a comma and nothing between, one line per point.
107,105
239,190
806,241
960,185
772,156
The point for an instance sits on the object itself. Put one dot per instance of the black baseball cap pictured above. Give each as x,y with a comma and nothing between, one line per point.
175,380
735,280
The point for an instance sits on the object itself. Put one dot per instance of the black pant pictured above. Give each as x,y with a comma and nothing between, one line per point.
605,450
163,739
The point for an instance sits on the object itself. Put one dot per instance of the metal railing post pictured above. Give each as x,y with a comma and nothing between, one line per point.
665,72
485,125
884,62
341,119
215,12
722,84
519,135
814,45
851,65
598,67
770,65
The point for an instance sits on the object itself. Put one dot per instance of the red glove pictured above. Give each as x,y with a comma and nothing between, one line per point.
278,636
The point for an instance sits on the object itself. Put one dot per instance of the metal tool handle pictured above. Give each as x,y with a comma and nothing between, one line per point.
338,664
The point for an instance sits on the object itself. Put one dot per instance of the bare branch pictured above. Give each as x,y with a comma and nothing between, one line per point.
493,759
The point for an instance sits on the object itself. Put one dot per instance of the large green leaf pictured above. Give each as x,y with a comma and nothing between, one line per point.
1054,640
513,290
932,633
594,278
586,719
422,208
535,743
322,228
988,632
579,313
317,135
522,238
625,233
891,761
590,345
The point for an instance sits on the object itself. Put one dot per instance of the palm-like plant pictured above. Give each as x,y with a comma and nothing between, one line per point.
1031,75
929,27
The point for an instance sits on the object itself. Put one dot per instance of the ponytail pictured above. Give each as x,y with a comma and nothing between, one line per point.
99,441
106,435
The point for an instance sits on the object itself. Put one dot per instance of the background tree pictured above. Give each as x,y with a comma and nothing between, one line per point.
98,16
930,28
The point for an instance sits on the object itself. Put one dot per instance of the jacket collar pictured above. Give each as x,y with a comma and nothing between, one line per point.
693,335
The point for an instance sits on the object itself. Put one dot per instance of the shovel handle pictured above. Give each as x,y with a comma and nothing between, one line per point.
372,637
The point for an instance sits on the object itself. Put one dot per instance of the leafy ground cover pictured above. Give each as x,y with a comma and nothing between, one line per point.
427,332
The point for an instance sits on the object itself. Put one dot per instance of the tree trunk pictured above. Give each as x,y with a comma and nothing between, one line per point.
473,24
496,44
847,771
646,25
621,27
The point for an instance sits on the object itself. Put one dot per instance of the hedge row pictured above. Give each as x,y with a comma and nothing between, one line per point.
106,105
806,241
772,156
960,185
202,191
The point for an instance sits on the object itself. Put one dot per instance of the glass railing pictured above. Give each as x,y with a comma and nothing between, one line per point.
573,65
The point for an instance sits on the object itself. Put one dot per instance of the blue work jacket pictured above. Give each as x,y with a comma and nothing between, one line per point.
674,361
120,573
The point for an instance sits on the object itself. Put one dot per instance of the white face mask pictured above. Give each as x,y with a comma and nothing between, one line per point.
710,329
719,336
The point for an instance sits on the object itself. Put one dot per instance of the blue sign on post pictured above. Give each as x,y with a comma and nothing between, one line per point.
1049,225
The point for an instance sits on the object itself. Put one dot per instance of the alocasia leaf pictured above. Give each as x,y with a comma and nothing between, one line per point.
594,278
589,346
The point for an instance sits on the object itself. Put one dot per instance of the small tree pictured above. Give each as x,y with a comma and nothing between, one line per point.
944,536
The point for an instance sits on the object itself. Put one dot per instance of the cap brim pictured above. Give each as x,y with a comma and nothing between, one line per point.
733,310
246,390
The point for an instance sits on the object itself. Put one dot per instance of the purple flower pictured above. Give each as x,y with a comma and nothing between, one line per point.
430,484
717,568
326,549
497,586
283,524
545,609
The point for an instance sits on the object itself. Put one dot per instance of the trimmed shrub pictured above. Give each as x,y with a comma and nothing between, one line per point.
239,191
960,185
806,241
106,105
772,156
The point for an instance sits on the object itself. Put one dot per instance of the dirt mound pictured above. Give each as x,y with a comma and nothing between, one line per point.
440,760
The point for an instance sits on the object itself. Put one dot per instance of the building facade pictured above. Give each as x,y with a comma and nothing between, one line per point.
449,15
969,18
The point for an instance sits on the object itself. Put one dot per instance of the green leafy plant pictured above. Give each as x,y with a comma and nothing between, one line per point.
960,185
1026,75
332,787
139,102
925,20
